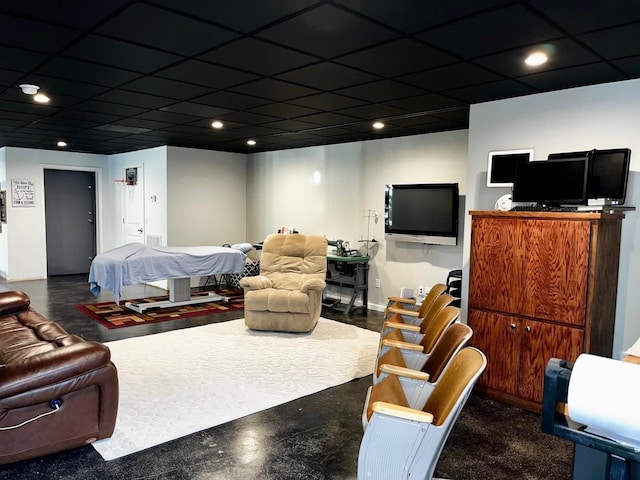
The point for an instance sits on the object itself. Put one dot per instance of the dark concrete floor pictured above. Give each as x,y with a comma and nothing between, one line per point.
316,437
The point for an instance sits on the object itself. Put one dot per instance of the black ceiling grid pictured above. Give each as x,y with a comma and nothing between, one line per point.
124,75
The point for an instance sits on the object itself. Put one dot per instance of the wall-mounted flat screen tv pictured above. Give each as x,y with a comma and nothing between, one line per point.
422,213
561,182
608,172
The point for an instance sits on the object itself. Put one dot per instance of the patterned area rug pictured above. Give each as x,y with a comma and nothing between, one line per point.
112,316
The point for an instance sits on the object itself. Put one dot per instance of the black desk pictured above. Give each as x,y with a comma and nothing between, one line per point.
350,272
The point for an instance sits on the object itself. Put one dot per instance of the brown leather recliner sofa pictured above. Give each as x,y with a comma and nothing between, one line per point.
57,391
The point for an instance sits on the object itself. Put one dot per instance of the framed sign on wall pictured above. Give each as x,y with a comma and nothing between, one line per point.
23,193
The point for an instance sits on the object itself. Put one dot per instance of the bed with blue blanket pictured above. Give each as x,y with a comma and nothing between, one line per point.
136,263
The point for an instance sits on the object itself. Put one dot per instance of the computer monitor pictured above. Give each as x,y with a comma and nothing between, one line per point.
561,182
501,166
608,172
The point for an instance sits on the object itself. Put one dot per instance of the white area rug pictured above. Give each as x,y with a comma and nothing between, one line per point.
180,382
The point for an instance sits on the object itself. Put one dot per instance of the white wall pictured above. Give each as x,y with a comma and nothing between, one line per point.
281,192
206,197
601,116
25,228
154,183
206,206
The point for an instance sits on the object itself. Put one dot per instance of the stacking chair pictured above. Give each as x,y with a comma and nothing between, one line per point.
403,306
418,383
419,323
400,442
422,340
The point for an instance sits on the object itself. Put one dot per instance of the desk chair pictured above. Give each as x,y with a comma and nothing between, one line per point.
400,442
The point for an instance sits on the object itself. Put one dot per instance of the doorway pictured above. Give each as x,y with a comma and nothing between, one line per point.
70,220
133,205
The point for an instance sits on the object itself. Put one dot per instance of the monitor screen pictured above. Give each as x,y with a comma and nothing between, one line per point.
608,172
565,155
501,166
552,182
422,209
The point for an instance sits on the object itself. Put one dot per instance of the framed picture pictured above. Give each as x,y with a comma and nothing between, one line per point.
501,166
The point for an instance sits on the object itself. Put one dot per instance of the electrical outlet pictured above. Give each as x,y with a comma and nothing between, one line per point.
421,290
377,283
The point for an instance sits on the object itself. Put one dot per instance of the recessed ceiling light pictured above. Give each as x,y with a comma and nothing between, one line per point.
62,143
536,58
217,124
378,125
40,98
251,142
29,89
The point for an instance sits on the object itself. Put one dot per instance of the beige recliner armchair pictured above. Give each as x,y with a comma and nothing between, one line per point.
287,295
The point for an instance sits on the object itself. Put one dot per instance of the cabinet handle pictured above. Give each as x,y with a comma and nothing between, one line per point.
527,328
513,326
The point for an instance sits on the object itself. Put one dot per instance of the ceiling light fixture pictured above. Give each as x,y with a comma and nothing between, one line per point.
378,125
536,59
62,143
217,124
29,89
251,142
40,98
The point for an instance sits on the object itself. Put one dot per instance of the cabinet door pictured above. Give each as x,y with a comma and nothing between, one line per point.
541,342
497,336
556,270
497,252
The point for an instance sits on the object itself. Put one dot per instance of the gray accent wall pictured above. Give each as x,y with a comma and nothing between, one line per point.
601,116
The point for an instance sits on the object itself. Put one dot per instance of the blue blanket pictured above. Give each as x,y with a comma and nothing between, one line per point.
136,263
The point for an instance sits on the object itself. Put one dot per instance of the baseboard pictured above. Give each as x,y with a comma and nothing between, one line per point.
358,303
376,307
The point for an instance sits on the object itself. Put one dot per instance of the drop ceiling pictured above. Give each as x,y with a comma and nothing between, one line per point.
127,75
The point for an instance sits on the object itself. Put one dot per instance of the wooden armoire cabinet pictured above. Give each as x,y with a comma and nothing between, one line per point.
541,285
